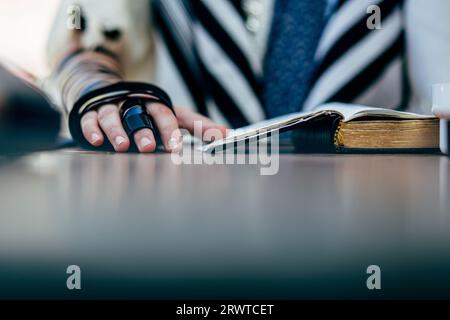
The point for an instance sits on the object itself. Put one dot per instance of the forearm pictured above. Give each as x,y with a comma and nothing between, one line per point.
88,81
82,72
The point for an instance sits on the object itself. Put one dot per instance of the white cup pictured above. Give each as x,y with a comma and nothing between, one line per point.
441,108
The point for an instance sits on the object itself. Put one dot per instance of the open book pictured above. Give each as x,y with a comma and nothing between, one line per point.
337,127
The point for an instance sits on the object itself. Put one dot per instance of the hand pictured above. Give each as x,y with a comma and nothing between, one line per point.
106,121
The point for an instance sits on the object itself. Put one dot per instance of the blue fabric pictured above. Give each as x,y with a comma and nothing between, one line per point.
289,63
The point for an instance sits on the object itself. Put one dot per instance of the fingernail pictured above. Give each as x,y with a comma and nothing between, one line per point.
120,140
175,143
145,142
95,138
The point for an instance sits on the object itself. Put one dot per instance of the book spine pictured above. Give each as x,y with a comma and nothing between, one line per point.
317,135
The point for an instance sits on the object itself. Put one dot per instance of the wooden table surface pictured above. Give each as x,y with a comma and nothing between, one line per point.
141,226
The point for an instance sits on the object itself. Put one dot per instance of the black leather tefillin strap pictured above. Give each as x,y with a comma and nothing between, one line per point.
134,117
133,97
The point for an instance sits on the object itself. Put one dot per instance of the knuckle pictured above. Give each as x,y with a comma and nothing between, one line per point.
160,109
90,115
168,131
113,131
165,111
107,111
168,123
144,133
108,121
88,124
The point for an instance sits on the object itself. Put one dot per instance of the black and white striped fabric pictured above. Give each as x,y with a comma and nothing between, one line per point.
215,56
358,64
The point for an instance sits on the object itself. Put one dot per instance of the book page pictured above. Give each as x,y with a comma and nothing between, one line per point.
263,128
348,112
351,112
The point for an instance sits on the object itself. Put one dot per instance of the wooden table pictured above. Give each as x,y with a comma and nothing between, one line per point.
141,227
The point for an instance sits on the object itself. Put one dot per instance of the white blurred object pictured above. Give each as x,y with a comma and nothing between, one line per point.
441,108
428,45
24,28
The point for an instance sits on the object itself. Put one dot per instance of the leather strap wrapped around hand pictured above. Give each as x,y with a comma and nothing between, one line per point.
137,93
89,79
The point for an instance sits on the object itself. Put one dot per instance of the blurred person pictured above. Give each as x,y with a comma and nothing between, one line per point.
241,61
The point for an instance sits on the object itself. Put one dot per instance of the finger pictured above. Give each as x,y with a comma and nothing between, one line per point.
198,124
167,125
145,141
109,120
91,130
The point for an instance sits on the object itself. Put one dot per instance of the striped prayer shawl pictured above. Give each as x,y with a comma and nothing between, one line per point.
212,50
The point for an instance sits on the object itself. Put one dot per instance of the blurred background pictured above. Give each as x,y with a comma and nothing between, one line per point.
30,21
